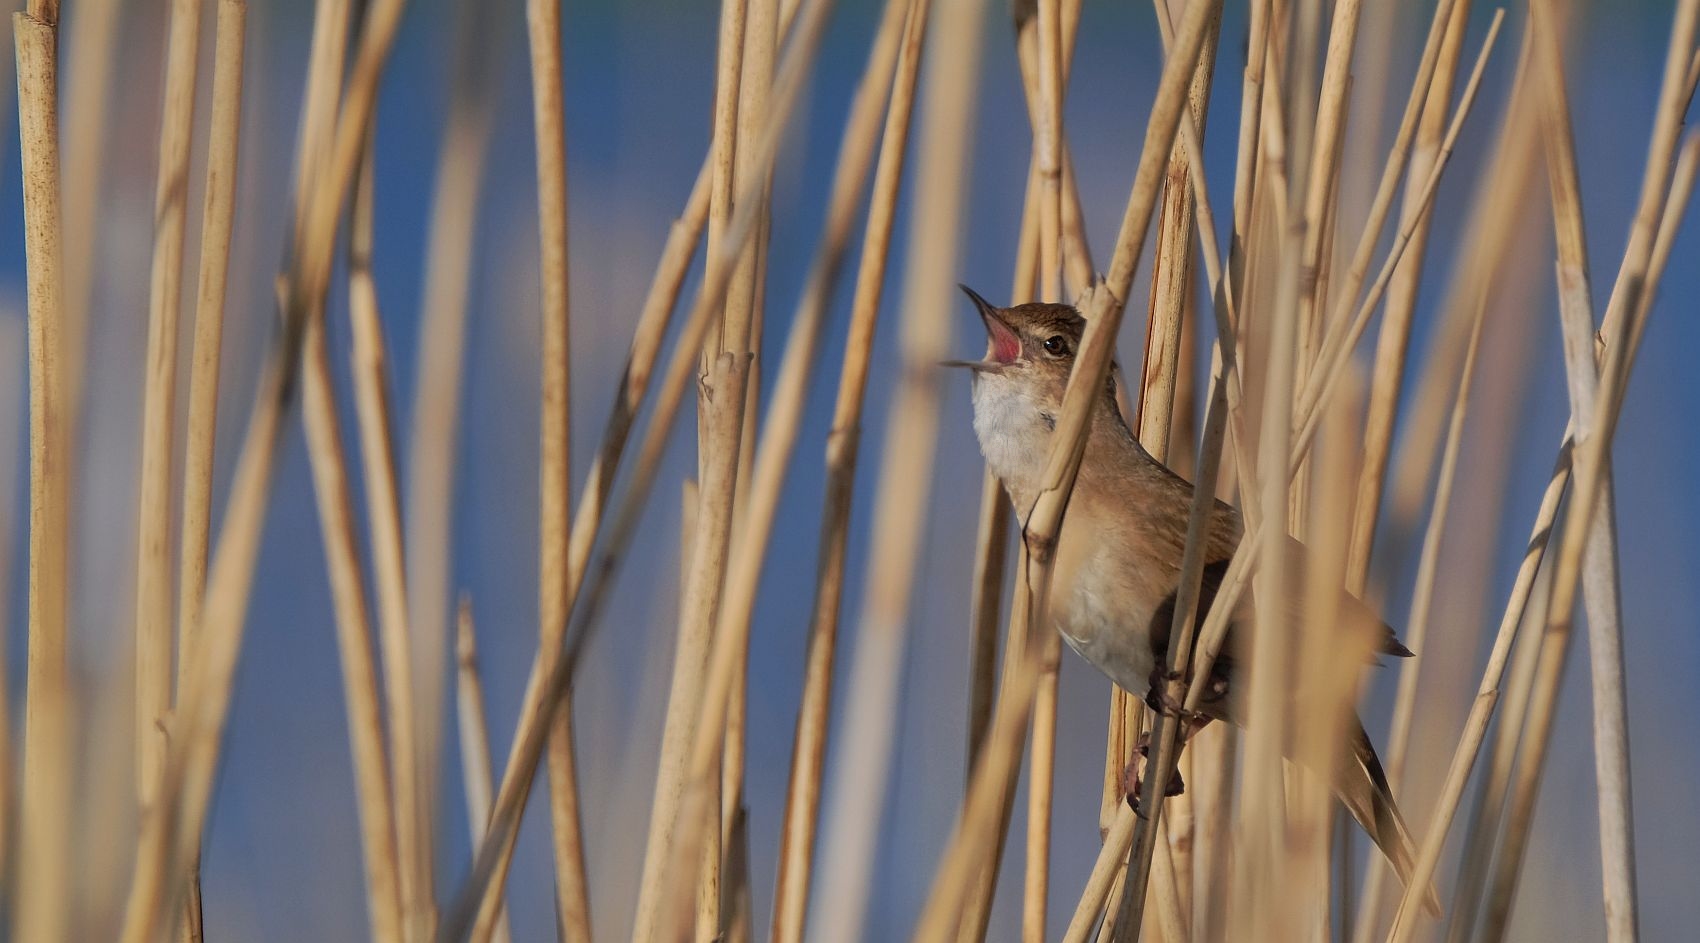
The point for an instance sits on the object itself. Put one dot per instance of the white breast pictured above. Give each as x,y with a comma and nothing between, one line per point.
1095,619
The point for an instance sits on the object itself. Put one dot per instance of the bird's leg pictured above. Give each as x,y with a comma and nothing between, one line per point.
1191,723
1158,698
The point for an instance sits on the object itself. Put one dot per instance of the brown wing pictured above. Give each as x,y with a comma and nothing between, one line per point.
1352,612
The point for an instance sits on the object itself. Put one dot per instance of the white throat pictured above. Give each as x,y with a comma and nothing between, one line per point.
1014,431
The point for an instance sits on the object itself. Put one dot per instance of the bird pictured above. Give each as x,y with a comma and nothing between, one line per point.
1117,562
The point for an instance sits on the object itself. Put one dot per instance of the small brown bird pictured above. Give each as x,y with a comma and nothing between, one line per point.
1118,558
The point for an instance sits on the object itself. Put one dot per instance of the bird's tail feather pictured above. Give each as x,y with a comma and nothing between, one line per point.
1362,787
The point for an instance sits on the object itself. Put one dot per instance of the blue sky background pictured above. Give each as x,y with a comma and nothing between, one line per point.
283,859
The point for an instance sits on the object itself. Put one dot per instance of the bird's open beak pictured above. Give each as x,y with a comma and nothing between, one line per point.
1003,346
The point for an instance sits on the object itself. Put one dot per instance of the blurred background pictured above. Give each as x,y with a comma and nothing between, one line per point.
282,858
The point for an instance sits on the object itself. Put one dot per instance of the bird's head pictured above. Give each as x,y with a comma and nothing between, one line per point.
1030,346
1019,385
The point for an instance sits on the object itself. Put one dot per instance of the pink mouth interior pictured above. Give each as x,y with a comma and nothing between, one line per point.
1006,347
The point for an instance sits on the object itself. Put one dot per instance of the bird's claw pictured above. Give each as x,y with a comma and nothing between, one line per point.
1158,698
1134,773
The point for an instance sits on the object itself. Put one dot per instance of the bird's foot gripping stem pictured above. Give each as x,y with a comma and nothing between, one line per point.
1134,773
1159,698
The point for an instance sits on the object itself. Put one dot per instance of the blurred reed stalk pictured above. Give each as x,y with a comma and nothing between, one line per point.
474,738
1291,298
1393,341
543,29
92,44
1048,137
169,836
866,744
551,679
154,641
803,793
217,222
1655,221
994,775
779,433
14,363
383,517
435,417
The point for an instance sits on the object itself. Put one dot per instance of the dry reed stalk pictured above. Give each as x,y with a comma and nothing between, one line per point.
217,221
1487,695
977,911
1250,129
1112,858
1600,595
1333,346
14,363
1171,913
1644,263
803,794
990,546
1324,175
1329,665
1332,362
1214,805
1482,831
1104,305
381,824
730,649
993,780
1047,146
1493,231
93,44
719,445
1107,929
383,514
1041,788
153,615
430,468
543,30
550,682
1061,260
44,813
474,738
857,153
989,555
745,315
728,72
1171,277
169,838
1048,137
325,66
1294,158
1422,600
1154,783
653,320
1161,365
1619,321
682,238
1393,342
1223,292
1212,633
906,471
1263,801
717,461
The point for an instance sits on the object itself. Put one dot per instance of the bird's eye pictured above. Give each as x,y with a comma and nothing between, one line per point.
1056,345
